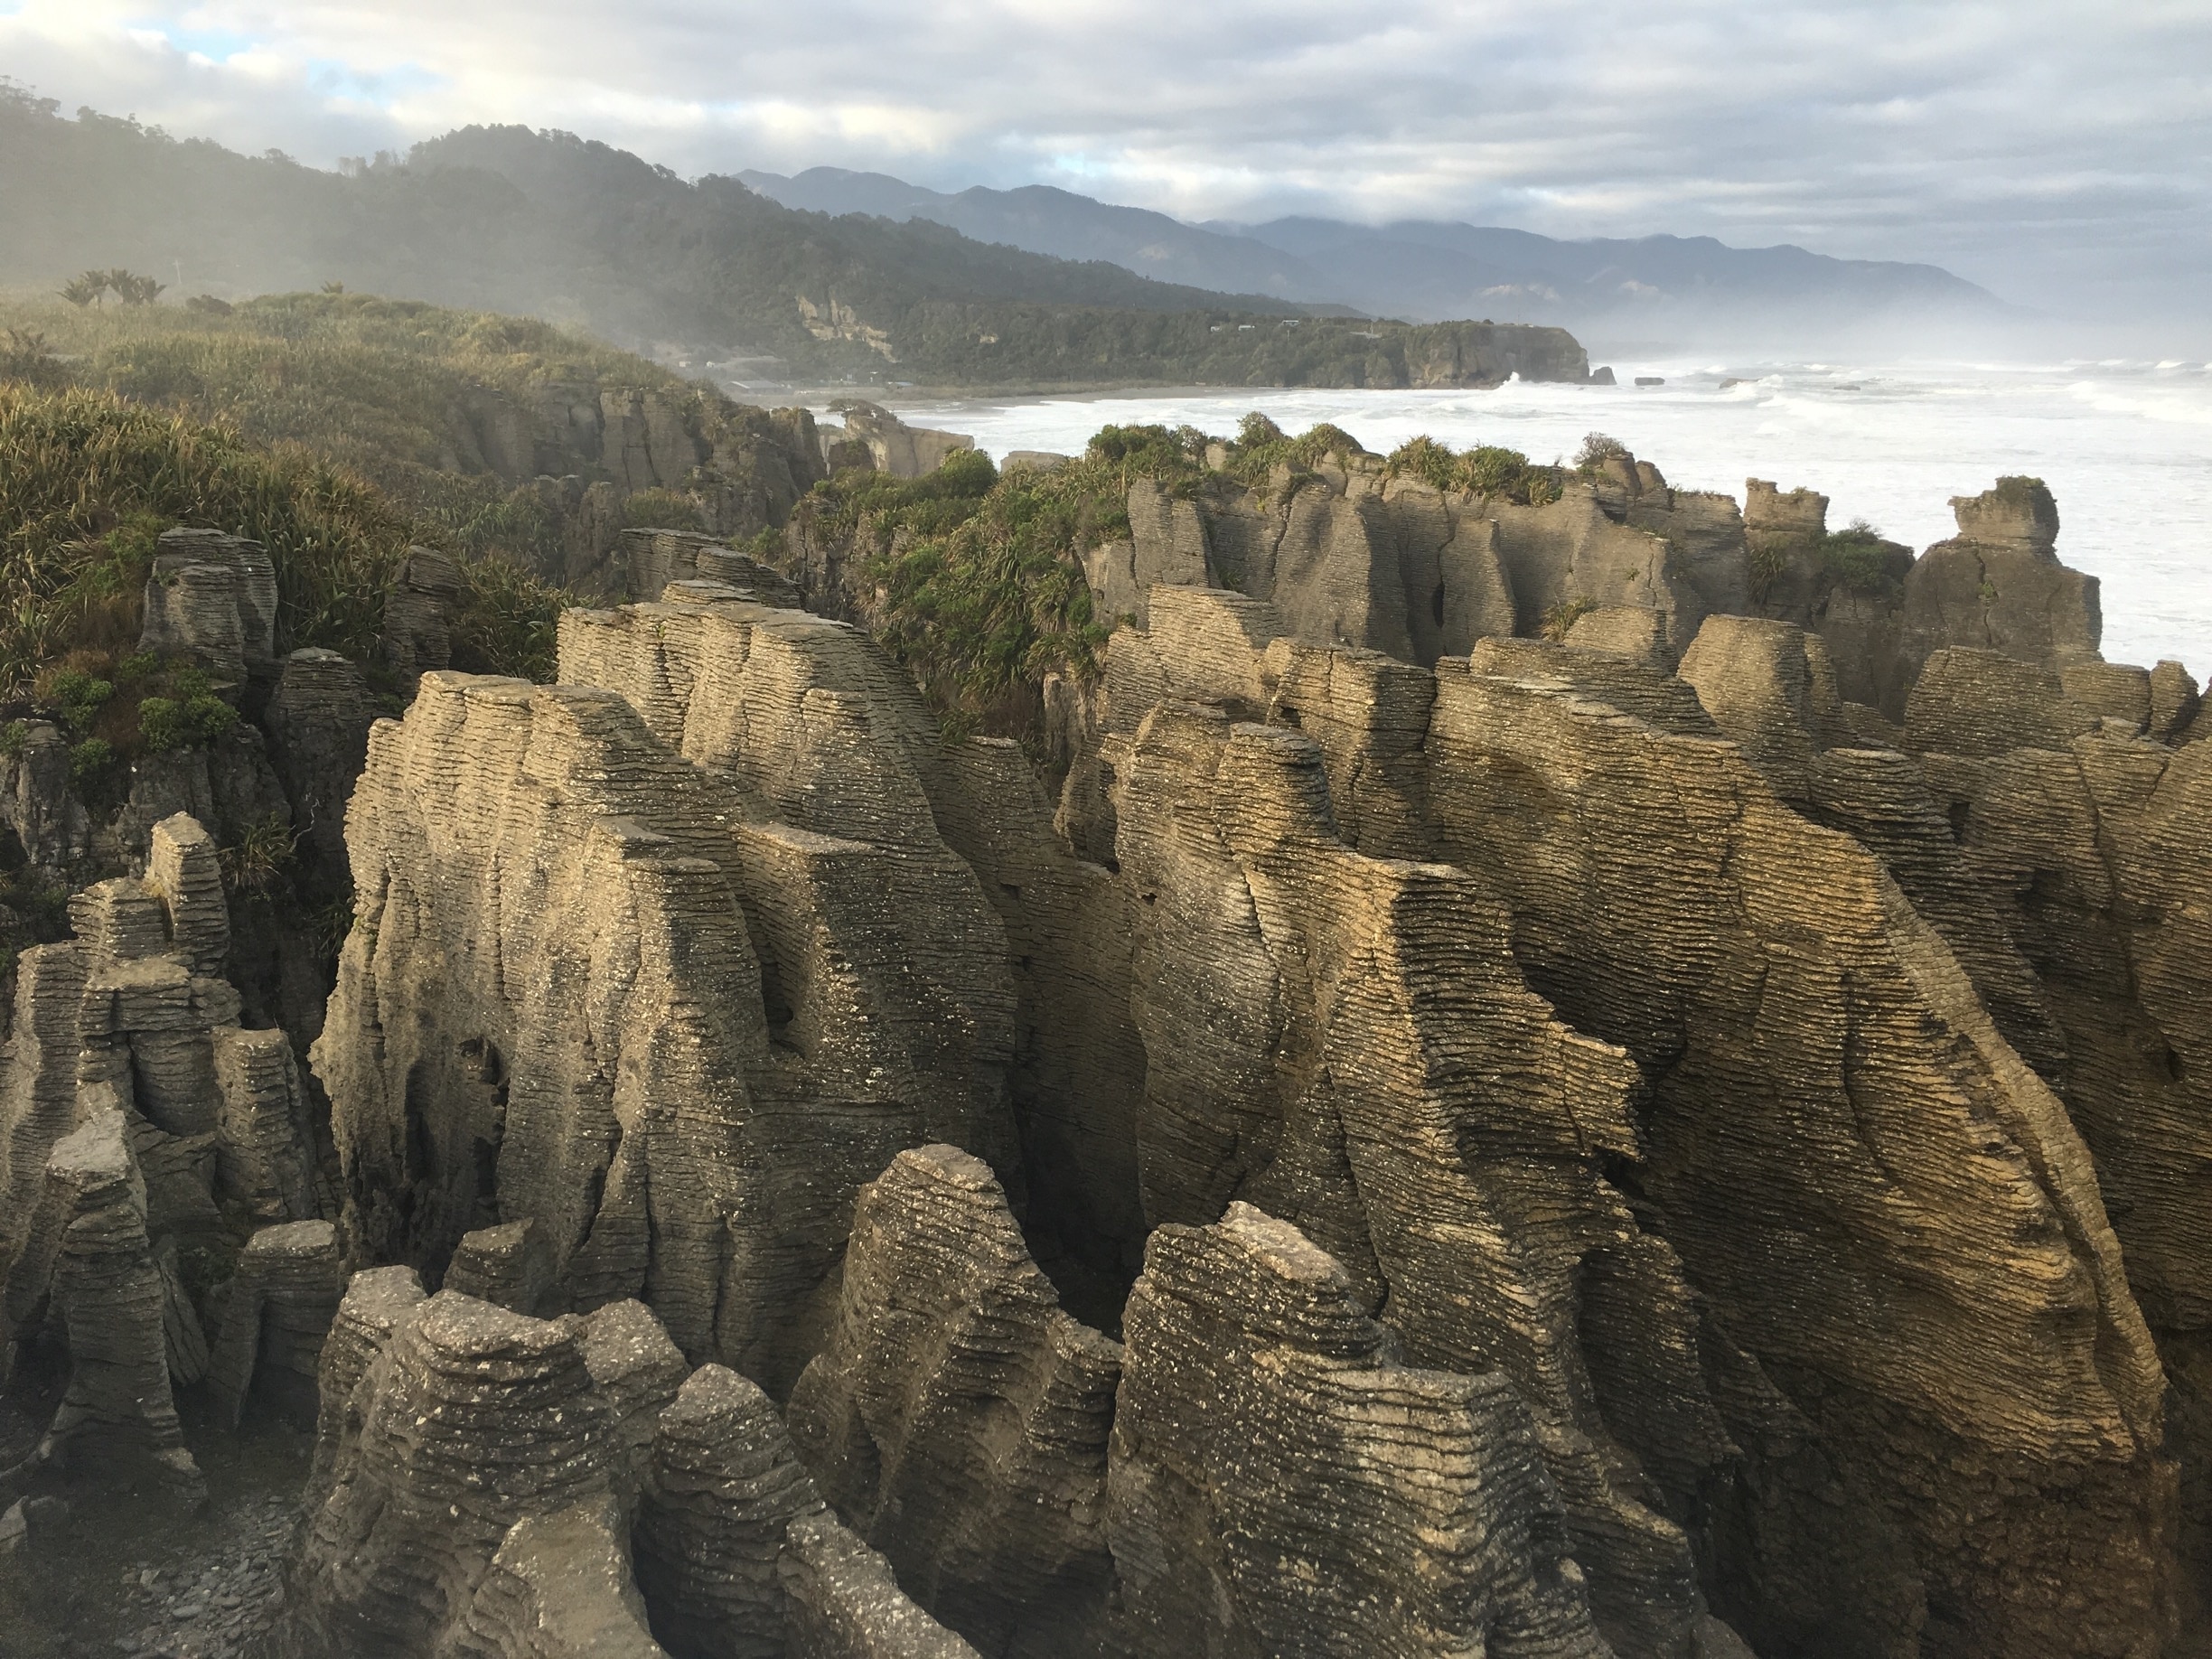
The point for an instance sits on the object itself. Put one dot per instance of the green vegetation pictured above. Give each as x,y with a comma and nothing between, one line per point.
192,717
980,593
1857,558
662,509
262,855
88,481
1485,470
92,287
549,223
978,575
371,384
1597,450
1559,620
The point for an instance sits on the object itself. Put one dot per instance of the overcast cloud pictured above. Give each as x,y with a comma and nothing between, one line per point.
2059,153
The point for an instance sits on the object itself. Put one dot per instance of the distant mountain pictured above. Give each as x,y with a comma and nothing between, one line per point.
1044,219
1424,270
696,273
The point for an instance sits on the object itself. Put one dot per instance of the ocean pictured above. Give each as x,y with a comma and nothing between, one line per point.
2126,447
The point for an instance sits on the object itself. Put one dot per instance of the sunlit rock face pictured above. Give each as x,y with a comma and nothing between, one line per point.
1549,1087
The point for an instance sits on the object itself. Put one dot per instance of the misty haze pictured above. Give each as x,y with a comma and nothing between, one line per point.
868,833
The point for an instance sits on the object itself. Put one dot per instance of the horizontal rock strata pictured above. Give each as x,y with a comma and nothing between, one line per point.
957,1418
1282,1484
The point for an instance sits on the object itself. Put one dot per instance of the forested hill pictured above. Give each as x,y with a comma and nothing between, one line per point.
547,223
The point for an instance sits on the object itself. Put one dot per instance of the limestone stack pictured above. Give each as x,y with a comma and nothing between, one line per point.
957,1418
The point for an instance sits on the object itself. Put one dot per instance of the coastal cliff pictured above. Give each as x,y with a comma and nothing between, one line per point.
1512,1061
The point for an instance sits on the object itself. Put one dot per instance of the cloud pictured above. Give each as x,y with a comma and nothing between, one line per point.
2062,163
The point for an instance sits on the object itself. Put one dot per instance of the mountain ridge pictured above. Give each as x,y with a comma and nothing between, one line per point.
698,274
1417,269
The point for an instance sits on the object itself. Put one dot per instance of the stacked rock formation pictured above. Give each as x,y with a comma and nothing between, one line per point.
481,1476
957,1418
133,1105
279,1309
468,1423
1280,1484
212,599
1674,1135
729,968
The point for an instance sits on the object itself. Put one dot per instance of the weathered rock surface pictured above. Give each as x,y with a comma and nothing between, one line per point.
1915,1249
418,614
90,1226
1998,587
1612,1148
1282,1485
318,721
692,1030
132,1105
842,1602
957,1419
559,1588
944,853
466,1423
1346,1042
2090,843
889,443
508,1265
289,1283
725,1488
212,599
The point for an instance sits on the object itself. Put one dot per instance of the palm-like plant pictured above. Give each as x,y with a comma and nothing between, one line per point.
86,289
131,288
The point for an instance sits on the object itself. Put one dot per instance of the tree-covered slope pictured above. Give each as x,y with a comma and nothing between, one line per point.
507,220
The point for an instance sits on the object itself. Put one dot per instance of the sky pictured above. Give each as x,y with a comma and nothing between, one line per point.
2059,154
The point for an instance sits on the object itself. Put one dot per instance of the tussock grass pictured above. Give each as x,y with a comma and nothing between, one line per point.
88,480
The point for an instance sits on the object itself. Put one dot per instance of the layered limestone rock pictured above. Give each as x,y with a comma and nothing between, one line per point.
115,1029
1878,1200
1353,553
417,612
1281,1483
2174,703
842,1602
740,1559
108,1292
1346,1042
559,1588
265,1137
469,1425
824,750
1998,587
690,1031
278,1309
945,854
212,599
2090,842
725,1488
508,1265
38,803
886,442
1769,687
318,721
1167,548
957,1419
482,1479
1348,555
653,558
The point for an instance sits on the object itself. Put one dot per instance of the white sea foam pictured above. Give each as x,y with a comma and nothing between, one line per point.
2125,447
